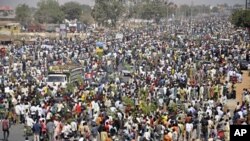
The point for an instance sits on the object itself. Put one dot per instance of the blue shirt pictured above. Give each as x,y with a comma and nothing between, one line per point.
36,128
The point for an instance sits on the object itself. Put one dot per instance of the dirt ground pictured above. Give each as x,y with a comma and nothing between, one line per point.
245,84
239,89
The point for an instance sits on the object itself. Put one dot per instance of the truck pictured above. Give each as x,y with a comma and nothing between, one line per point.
63,74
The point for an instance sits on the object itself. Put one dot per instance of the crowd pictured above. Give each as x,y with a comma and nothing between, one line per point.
180,78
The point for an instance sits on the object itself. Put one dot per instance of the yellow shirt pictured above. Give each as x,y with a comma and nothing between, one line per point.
83,97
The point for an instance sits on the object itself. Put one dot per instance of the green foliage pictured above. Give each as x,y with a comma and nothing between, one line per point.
153,10
72,10
185,10
128,101
70,87
86,9
23,14
143,94
86,17
49,92
173,107
241,18
148,108
104,11
49,11
80,80
215,9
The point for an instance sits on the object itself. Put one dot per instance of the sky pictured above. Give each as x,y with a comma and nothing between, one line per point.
33,3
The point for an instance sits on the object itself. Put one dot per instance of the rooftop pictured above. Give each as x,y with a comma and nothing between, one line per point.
6,8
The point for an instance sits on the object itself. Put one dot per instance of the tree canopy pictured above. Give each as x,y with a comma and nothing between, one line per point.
23,14
151,10
241,18
104,11
85,16
49,11
72,10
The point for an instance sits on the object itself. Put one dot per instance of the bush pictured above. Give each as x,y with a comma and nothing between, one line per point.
128,101
148,108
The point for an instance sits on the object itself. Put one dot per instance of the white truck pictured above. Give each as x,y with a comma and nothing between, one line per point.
63,74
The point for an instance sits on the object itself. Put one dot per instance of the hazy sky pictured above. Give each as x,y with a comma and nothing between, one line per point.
33,3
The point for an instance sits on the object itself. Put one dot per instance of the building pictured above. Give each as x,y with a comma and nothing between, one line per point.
36,28
7,13
5,39
9,27
6,10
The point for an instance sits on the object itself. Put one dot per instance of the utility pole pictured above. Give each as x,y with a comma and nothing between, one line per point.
246,4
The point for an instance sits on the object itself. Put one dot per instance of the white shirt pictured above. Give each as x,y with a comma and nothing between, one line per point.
73,126
217,118
49,115
209,111
40,110
81,139
59,107
147,135
189,127
33,110
18,109
66,129
240,114
14,101
29,121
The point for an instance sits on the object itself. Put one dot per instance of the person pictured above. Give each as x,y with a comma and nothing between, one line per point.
26,138
108,138
166,136
189,129
36,130
50,129
5,128
81,138
204,128
43,129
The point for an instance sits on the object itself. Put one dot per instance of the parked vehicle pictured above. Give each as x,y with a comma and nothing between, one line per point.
63,74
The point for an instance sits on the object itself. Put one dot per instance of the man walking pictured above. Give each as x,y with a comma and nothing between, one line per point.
5,128
36,130
50,130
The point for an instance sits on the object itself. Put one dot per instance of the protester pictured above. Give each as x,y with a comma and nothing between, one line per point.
152,84
6,128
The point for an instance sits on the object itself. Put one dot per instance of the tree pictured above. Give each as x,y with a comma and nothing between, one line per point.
155,10
241,18
215,9
23,14
114,11
86,17
49,11
72,10
104,11
185,10
98,12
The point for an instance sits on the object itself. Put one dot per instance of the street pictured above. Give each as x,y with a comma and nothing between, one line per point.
16,133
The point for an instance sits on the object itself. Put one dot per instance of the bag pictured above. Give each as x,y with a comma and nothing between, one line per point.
5,125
